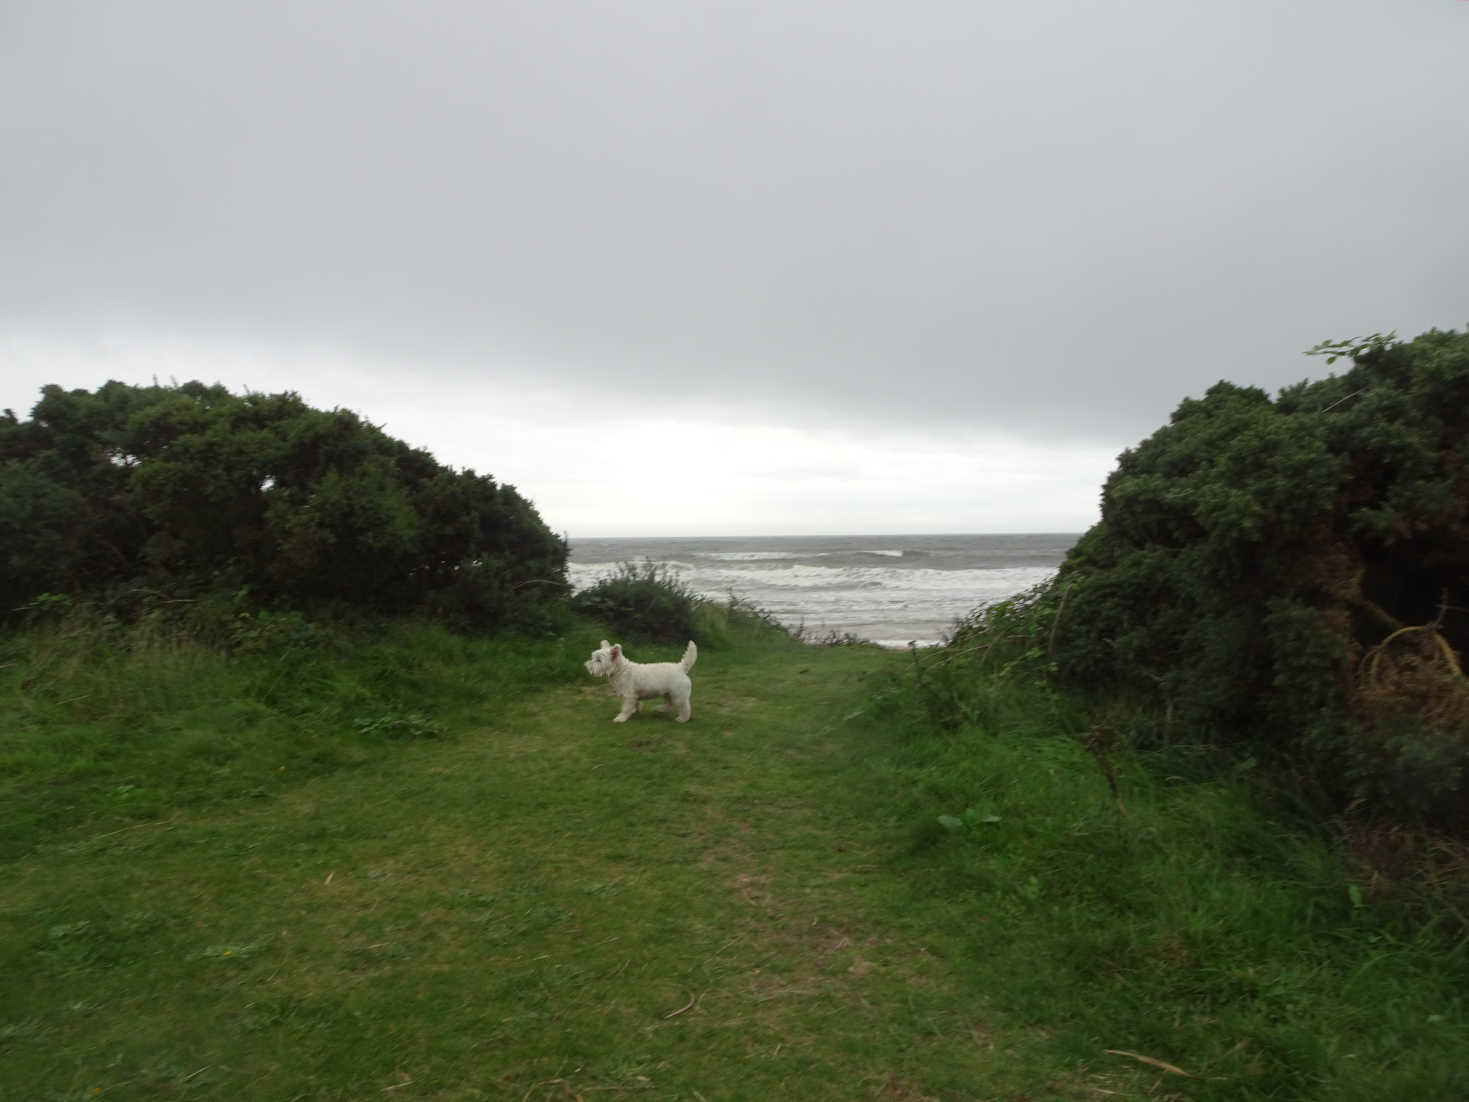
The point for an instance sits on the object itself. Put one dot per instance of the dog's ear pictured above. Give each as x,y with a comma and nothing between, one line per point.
616,652
604,645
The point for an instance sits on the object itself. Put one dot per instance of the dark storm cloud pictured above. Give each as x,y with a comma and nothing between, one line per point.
1055,219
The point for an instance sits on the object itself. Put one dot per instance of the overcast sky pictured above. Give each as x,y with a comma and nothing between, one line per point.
685,267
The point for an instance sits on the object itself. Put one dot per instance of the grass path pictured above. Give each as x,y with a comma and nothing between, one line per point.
550,906
547,905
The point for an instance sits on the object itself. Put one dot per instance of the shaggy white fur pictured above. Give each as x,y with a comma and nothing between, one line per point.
634,681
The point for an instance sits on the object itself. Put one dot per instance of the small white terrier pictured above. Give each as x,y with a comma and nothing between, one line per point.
634,681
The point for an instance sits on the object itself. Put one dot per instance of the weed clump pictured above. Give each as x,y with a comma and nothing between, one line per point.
995,664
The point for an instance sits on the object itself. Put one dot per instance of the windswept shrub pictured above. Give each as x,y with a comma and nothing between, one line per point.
1293,574
647,601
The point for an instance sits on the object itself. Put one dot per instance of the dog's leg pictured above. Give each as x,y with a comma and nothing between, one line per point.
629,706
686,708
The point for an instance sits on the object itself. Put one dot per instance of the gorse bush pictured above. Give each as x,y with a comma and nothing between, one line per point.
1293,575
191,489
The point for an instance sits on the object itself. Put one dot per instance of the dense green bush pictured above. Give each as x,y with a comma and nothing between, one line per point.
193,490
1294,574
648,602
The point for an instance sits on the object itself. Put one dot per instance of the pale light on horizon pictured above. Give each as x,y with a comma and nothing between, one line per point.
606,470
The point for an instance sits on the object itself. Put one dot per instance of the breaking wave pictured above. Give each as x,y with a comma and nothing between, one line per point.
892,594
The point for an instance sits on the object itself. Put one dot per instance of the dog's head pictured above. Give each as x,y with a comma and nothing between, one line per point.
604,660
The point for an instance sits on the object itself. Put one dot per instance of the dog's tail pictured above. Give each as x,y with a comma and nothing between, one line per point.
690,653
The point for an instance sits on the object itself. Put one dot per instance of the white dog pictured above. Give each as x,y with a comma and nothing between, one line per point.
634,681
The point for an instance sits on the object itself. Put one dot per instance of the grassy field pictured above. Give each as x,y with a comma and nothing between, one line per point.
414,866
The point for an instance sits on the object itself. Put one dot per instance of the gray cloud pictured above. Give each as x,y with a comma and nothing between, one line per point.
1055,220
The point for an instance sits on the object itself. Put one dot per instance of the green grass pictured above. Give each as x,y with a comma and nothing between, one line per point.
416,866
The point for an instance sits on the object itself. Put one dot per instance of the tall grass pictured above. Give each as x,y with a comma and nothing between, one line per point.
1118,905
111,723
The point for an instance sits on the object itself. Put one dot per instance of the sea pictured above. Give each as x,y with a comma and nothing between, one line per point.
890,590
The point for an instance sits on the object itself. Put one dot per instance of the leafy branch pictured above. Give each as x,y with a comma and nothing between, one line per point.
1355,347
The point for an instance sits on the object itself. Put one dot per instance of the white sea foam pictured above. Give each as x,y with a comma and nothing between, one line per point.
746,556
847,589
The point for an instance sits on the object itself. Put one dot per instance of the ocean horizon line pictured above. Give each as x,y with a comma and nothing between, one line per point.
881,586
831,535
